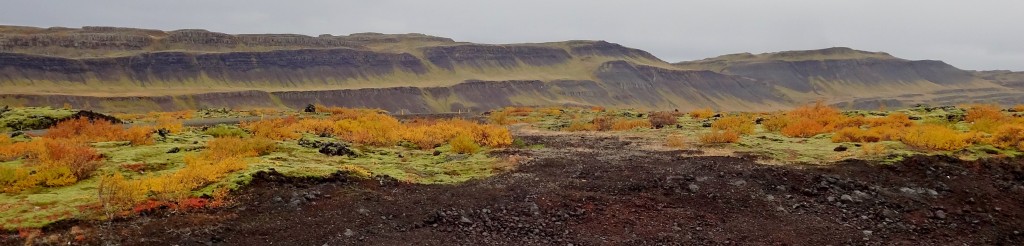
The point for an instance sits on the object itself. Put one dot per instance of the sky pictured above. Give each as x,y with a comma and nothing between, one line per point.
977,35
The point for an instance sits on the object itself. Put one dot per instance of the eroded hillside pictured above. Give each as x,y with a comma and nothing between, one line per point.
125,69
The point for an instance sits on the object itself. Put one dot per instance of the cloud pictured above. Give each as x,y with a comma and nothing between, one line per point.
984,34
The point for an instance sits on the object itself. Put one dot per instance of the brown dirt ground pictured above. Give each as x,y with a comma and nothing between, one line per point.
606,190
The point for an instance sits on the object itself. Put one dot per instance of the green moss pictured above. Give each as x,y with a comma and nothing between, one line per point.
30,118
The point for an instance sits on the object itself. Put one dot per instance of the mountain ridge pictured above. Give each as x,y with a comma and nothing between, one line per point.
102,66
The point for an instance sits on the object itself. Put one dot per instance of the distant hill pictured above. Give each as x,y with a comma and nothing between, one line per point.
126,69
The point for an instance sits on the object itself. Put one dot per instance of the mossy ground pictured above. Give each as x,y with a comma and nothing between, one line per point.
39,207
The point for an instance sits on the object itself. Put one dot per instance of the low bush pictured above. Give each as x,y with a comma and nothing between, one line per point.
739,124
171,123
661,119
855,134
276,129
48,163
1009,136
139,135
578,126
719,137
983,111
803,128
463,144
934,137
873,150
775,123
701,114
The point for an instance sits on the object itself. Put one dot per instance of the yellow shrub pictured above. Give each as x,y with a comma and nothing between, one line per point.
986,125
370,129
703,113
739,124
886,132
4,139
1018,108
500,117
577,126
170,123
676,141
495,136
519,111
1009,136
718,137
552,111
276,129
463,144
775,123
935,138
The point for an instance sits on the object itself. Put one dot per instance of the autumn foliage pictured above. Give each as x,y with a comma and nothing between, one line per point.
83,129
662,119
739,124
703,113
48,163
719,137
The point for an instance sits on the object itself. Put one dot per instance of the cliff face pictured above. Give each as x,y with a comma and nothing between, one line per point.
125,69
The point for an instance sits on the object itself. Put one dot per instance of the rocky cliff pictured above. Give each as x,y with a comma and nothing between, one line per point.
126,69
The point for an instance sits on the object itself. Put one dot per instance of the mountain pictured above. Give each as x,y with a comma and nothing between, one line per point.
127,69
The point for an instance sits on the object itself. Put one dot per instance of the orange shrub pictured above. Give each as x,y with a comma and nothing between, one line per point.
886,133
624,124
719,137
603,122
935,137
661,119
803,128
676,141
578,126
984,111
552,111
170,123
370,129
775,123
1009,136
4,139
83,129
500,117
494,136
139,135
739,124
276,129
81,159
48,163
519,111
703,113
463,144
1018,108
854,134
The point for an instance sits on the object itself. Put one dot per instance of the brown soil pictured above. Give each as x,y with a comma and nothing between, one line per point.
605,190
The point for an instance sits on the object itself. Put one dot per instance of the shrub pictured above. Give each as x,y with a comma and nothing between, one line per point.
227,147
775,123
4,139
803,128
624,124
463,144
935,138
739,124
661,119
1018,108
886,133
170,123
276,129
577,126
676,141
704,113
139,135
719,137
494,136
603,122
983,111
500,117
519,111
551,111
78,157
221,131
83,129
855,134
986,125
370,129
1009,136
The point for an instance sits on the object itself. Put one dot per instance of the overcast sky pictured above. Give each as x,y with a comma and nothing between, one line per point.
978,34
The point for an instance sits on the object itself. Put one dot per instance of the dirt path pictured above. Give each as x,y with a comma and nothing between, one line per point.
603,190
